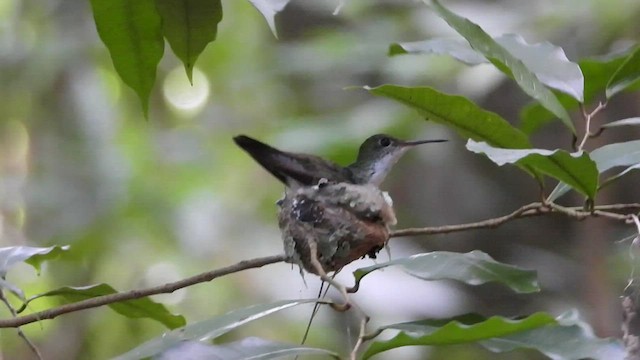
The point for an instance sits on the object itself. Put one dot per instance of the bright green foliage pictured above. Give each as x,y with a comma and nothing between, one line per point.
189,25
136,308
457,112
132,32
577,169
499,56
561,338
473,268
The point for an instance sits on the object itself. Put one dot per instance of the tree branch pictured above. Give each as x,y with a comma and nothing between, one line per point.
136,294
529,210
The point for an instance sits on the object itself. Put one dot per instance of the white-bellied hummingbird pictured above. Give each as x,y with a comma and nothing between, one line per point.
376,157
330,213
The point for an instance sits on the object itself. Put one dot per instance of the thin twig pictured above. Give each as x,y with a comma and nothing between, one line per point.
140,293
21,334
587,118
361,334
313,258
533,209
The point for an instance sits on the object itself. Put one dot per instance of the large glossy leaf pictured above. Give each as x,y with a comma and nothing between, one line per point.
132,32
563,338
33,256
473,268
627,74
249,348
596,71
189,25
269,9
503,59
137,308
457,112
576,169
208,329
547,61
608,157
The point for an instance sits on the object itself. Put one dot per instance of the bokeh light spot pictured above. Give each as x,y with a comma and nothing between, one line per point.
180,94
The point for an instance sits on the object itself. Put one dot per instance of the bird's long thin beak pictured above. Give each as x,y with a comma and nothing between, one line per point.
419,142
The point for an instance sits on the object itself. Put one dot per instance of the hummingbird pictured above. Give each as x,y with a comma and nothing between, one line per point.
376,157
340,211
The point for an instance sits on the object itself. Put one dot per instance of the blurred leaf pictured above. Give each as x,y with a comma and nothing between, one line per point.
457,112
132,32
619,175
473,268
189,25
501,58
269,9
137,308
627,74
576,169
607,157
623,122
561,338
4,284
249,348
33,256
209,329
547,61
458,49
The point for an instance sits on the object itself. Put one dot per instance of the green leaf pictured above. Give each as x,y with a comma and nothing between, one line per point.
596,71
576,169
473,268
137,308
561,338
634,121
626,75
608,157
499,56
209,329
458,49
132,32
189,25
33,256
547,61
253,348
269,9
457,112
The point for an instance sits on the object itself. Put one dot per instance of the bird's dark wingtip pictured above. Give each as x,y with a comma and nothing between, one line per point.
241,139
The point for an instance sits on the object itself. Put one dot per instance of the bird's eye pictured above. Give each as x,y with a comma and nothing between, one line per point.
385,141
